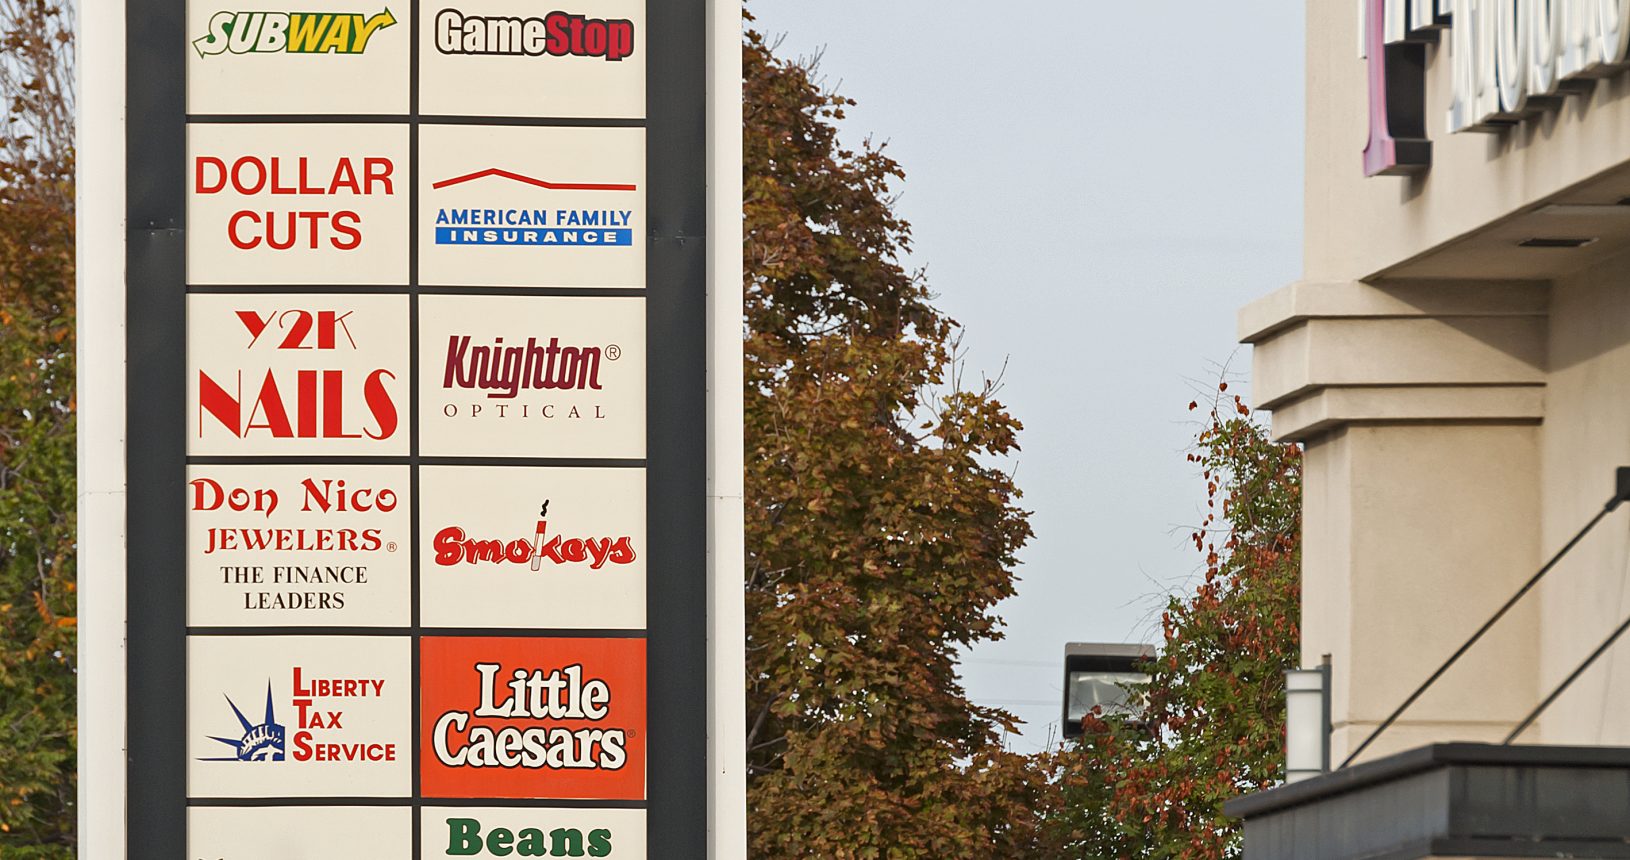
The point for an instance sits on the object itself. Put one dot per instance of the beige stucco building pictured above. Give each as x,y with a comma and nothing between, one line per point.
1463,393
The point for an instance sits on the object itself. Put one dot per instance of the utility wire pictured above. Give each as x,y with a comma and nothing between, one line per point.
1528,586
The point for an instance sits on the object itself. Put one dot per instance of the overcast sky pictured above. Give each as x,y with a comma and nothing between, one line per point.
1095,188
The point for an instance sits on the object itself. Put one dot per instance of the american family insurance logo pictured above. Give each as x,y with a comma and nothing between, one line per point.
318,707
606,226
533,718
558,34
290,32
540,551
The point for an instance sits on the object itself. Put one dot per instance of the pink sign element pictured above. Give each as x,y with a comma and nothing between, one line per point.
1398,145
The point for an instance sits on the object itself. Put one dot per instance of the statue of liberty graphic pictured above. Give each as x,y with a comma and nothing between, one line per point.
263,742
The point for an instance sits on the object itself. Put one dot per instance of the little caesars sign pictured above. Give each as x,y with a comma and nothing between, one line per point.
1511,59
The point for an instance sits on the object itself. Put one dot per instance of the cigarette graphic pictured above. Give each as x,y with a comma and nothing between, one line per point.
543,526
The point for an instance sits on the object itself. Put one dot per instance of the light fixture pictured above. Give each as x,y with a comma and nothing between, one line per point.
1307,722
1105,677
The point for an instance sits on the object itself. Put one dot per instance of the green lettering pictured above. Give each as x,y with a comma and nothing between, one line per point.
568,843
463,837
499,842
532,843
600,843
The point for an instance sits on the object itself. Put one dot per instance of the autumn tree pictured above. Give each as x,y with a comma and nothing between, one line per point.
1214,728
880,536
37,779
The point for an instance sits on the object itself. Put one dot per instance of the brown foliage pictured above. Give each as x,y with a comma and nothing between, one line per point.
1214,728
879,540
37,601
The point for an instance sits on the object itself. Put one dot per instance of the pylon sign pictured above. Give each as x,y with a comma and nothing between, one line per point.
418,428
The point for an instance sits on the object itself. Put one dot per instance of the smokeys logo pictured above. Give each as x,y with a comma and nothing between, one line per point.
536,227
290,32
454,547
510,717
558,34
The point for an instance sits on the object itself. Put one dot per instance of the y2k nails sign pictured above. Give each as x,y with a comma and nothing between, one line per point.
326,377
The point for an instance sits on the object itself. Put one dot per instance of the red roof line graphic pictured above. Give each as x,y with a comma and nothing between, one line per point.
552,186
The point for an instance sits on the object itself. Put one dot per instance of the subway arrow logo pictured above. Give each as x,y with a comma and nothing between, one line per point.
290,32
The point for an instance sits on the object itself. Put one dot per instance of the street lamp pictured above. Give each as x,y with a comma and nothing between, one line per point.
1098,675
1307,723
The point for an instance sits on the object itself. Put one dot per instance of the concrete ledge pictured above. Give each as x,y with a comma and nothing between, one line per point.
1449,800
1323,409
1398,351
1307,300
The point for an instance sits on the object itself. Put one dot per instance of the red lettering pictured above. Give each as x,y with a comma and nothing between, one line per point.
376,170
345,224
208,187
380,404
236,237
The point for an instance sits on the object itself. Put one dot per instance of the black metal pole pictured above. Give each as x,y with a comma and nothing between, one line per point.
1528,586
1567,682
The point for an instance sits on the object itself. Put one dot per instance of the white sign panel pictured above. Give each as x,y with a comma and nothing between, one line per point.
565,547
285,374
299,716
300,833
235,47
532,206
299,545
618,834
533,376
511,58
284,204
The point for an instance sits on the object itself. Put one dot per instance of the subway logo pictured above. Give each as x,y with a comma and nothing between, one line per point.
290,32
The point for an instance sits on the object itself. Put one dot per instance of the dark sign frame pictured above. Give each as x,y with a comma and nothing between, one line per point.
676,330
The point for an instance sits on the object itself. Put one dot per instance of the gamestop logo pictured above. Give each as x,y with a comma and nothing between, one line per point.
534,718
558,34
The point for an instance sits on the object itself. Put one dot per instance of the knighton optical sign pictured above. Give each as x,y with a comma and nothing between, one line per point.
411,454
1511,60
